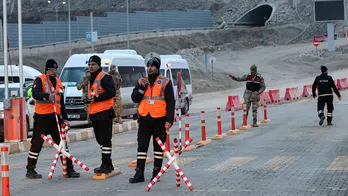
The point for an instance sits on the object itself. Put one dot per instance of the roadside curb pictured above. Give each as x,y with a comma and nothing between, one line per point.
83,135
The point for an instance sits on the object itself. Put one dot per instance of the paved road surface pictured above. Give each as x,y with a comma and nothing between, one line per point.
291,155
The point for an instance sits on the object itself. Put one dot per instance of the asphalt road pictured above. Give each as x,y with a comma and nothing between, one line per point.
291,155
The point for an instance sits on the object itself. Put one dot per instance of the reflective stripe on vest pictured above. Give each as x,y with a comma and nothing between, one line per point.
97,89
46,107
155,105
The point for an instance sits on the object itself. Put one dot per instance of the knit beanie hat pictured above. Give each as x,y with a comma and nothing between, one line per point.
95,59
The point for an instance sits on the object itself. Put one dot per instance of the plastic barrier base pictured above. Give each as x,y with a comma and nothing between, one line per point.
102,176
219,137
233,132
134,163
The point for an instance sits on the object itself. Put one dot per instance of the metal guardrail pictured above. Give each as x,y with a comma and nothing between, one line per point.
117,35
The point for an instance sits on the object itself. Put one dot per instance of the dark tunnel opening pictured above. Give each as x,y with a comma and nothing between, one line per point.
256,17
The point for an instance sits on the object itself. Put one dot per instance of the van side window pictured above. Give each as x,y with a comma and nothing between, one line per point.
185,74
130,75
11,79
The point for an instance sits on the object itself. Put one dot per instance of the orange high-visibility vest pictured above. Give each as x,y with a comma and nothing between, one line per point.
95,91
154,101
46,107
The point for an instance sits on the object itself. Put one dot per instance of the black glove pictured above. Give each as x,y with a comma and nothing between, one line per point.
143,84
314,95
142,87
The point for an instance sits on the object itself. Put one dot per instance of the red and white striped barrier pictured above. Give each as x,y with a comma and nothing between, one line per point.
220,135
179,99
176,153
342,84
204,134
5,175
56,157
168,140
307,90
180,125
291,94
166,166
72,158
62,135
274,95
233,101
265,98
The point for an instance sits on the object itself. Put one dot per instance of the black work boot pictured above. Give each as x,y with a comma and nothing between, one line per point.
255,123
104,168
138,177
155,171
111,165
329,121
32,174
71,173
322,118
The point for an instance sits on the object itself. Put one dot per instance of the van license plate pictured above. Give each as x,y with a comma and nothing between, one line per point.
74,116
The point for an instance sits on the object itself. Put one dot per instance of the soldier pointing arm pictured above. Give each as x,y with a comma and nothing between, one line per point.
255,85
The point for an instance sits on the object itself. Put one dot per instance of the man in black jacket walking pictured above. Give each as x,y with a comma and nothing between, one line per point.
325,84
156,115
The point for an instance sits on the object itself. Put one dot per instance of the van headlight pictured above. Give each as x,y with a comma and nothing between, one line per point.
2,114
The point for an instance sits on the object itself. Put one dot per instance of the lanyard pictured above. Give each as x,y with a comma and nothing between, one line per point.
50,85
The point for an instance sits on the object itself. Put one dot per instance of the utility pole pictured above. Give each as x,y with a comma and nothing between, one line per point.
91,16
20,48
128,25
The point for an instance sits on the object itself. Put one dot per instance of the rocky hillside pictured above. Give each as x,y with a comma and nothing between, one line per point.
35,11
285,11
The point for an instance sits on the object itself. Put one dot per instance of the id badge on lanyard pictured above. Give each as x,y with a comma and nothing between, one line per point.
151,102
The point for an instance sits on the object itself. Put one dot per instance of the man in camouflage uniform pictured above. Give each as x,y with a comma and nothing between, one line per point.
255,85
117,99
83,84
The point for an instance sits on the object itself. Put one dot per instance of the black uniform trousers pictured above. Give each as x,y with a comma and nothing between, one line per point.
145,131
328,100
43,126
103,134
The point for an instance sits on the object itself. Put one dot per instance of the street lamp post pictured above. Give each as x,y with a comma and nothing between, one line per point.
55,7
127,25
20,47
4,12
69,19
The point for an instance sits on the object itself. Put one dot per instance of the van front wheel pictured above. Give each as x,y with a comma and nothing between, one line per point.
185,109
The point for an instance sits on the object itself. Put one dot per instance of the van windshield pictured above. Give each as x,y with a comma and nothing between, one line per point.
130,75
13,79
72,75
